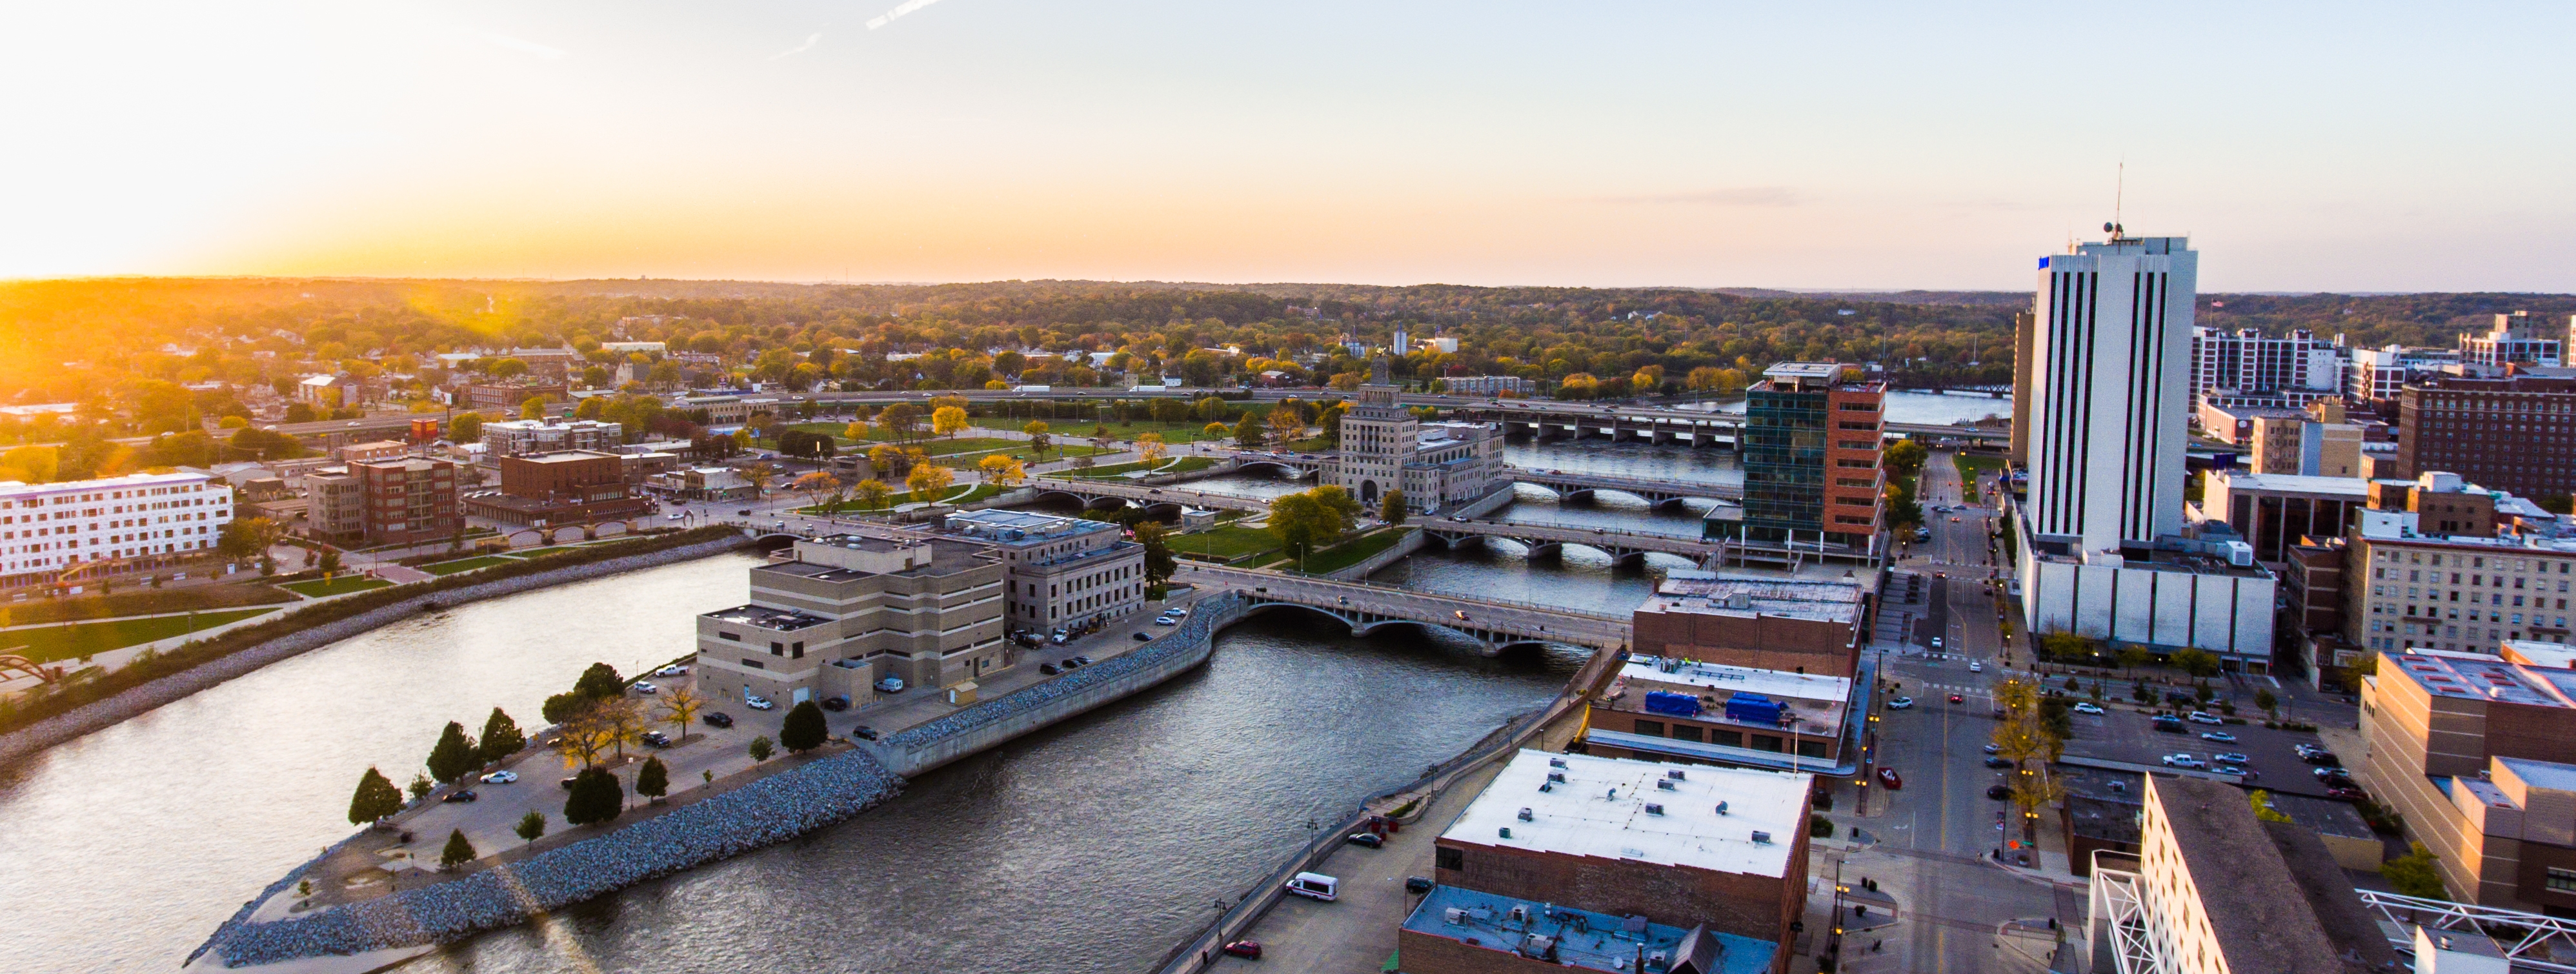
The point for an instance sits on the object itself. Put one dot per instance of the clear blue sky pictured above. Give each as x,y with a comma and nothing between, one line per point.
2324,146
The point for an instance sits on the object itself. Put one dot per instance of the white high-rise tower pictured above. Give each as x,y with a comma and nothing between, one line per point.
2112,355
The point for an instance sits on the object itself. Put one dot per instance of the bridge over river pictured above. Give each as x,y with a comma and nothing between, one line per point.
1492,623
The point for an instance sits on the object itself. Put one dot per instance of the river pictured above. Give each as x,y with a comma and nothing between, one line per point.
1093,846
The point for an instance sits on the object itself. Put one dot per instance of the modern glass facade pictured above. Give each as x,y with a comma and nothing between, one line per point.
1784,463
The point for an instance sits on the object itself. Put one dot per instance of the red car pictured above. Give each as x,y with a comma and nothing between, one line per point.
1955,698
1889,777
1246,949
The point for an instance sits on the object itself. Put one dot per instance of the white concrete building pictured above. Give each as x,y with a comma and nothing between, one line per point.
2248,362
523,437
79,531
2380,373
1062,572
2111,407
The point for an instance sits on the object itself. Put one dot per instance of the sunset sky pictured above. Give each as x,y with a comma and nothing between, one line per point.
2336,146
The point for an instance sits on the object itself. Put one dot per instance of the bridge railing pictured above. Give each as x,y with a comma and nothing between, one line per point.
1463,599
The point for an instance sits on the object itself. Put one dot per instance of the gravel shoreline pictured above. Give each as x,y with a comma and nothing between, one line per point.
70,725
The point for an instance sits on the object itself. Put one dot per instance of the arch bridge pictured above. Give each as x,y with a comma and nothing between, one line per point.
1495,625
1112,495
1548,540
1658,493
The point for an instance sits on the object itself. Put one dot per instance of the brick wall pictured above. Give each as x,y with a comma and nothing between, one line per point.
1760,907
1764,642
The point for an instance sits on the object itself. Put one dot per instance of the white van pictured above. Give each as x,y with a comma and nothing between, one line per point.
1315,885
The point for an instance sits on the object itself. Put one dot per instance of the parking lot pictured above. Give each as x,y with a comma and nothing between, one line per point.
2130,737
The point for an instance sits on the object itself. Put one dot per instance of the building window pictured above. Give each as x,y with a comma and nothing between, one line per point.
2562,880
720,634
776,649
1452,857
754,664
1682,732
1726,737
1811,749
1651,728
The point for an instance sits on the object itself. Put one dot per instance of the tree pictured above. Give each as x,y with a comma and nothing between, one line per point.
2197,662
759,476
816,486
760,749
680,706
421,786
453,755
1001,470
501,738
1301,522
653,780
1159,563
600,682
1213,431
1390,509
900,419
1150,449
871,494
887,460
949,421
803,730
597,796
1286,424
561,707
376,798
251,537
1039,438
856,432
2268,703
1904,459
330,564
531,826
465,428
457,853
1251,433
533,408
2414,874
927,479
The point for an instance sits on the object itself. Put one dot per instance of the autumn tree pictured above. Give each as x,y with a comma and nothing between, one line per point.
1390,509
1001,470
1039,438
1150,449
927,479
678,707
871,494
816,487
759,476
949,421
899,420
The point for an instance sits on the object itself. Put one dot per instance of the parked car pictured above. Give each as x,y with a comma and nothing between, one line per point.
2324,759
1048,669
461,795
2218,737
1315,886
2230,769
674,669
757,702
2333,776
2203,717
2168,724
864,732
1165,620
1084,660
1998,792
1369,839
673,516
1246,949
2231,757
657,738
501,777
717,718
1976,666
836,703
1144,636
2089,708
1901,703
1418,885
2343,793
1936,642
567,782
1889,777
1955,698
1999,761
2184,761
891,684
1994,749
646,688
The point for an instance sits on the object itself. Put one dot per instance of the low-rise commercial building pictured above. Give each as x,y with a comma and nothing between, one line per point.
78,532
1464,931
2273,511
834,615
2317,443
1064,572
1667,709
374,450
1684,846
2470,748
571,487
524,437
1767,622
2201,589
703,484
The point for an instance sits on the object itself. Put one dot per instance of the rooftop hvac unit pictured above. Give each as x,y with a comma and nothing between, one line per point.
1761,838
1519,914
1527,817
1544,787
1556,762
1676,775
1666,784
1556,776
1654,809
1455,915
1721,808
1507,831
1660,958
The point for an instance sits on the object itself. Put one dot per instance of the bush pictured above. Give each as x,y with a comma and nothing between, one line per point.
653,780
1824,801
2414,874
1820,827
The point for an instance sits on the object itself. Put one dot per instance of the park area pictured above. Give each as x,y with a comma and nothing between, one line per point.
343,585
52,643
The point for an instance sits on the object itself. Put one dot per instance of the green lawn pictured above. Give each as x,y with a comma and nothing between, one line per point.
342,585
1182,465
1188,431
467,564
1225,542
69,642
1353,552
1972,467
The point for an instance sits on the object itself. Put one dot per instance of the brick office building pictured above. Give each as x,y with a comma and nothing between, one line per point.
2468,748
409,500
2516,433
1723,848
1766,622
571,487
1811,458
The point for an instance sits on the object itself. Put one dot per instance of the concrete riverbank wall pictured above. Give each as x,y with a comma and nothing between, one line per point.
1394,553
767,811
100,714
990,723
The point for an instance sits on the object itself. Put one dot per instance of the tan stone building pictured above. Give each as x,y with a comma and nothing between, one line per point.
832,616
2469,747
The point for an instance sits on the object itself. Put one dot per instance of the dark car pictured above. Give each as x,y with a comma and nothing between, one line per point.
465,795
1418,885
1048,669
2169,725
2344,794
718,718
1999,762
836,702
1084,660
1998,792
864,732
1143,636
2333,776
745,512
567,783
1369,839
657,738
2324,759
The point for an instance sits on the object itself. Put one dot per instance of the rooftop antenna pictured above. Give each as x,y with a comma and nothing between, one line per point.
2119,194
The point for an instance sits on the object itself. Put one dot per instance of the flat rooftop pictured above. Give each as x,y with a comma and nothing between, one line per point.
1820,599
2477,676
2258,906
1600,809
2286,483
1776,684
1582,939
947,557
764,617
1010,527
2543,774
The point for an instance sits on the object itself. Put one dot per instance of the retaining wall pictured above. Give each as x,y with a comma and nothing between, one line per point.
1412,543
101,714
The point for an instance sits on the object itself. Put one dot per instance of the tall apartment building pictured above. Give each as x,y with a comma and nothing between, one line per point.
1691,847
406,500
2248,362
833,615
1489,385
522,437
2025,338
81,531
2516,339
2379,374
2100,539
2516,433
2471,748
1063,572
1812,439
1385,447
2218,891
507,397
2415,584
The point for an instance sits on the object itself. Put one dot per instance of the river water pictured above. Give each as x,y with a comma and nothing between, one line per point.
1093,846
